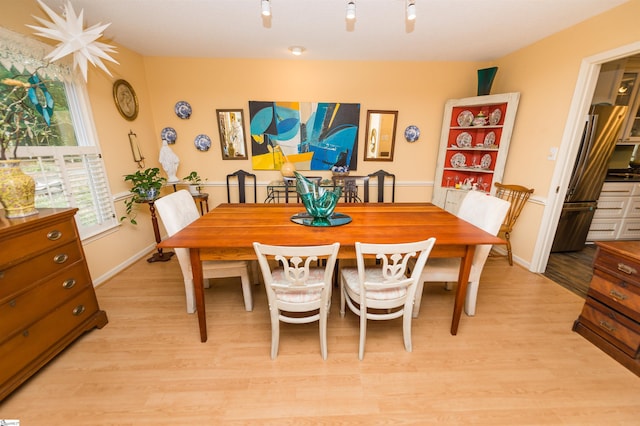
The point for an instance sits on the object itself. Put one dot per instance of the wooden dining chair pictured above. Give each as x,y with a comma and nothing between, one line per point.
177,210
517,195
350,188
299,287
383,291
243,180
382,177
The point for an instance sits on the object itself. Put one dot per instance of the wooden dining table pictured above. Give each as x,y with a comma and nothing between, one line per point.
228,231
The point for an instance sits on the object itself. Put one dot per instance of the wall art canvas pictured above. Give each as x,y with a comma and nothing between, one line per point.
312,135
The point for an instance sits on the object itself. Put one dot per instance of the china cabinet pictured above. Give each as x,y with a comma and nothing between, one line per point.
47,299
474,142
629,94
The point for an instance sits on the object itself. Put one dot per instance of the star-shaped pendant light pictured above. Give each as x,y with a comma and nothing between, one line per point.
74,39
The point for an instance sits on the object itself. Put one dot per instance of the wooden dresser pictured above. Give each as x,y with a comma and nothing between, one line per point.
610,318
47,299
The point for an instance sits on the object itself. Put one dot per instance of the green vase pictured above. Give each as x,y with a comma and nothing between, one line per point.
17,190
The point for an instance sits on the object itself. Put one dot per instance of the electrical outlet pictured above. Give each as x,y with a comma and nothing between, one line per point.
553,153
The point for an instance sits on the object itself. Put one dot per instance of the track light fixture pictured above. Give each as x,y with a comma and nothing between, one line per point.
351,10
411,10
266,7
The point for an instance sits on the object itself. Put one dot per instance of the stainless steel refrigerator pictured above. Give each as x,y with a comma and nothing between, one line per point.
598,142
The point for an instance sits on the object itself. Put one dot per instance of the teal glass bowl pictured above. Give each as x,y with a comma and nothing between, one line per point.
319,202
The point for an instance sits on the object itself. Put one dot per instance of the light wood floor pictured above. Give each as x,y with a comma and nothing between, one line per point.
516,362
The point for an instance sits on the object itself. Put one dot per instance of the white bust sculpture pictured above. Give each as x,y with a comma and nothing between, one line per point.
169,161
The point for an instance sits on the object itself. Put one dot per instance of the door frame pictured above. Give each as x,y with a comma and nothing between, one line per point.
582,96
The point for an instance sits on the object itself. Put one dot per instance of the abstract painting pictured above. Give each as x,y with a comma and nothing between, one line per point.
312,135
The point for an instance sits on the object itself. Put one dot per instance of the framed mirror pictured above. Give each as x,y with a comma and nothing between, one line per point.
381,135
233,145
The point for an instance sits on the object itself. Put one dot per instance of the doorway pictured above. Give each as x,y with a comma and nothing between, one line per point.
586,82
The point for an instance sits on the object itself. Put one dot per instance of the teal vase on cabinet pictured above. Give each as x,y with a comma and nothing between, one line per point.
485,80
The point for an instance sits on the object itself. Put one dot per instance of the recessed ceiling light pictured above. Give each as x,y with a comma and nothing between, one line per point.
296,50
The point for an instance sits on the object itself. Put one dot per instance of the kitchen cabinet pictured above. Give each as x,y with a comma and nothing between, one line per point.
609,81
610,317
474,143
629,94
47,299
617,216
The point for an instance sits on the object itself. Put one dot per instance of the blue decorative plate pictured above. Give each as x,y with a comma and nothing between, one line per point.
169,134
411,133
202,142
183,109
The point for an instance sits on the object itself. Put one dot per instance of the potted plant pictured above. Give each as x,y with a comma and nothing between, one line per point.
194,180
145,186
26,108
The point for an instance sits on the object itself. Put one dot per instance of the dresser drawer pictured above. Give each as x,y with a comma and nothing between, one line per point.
614,327
37,240
616,293
28,307
623,268
31,342
20,277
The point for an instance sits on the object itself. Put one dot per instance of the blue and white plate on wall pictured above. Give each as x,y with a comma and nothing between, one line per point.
183,109
202,142
411,133
169,134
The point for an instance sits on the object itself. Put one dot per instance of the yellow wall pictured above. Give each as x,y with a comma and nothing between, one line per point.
545,74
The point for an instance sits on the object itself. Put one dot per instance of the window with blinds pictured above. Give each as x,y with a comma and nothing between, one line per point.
67,166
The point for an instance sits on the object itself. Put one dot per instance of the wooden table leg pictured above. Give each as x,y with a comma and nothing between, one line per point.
198,286
461,289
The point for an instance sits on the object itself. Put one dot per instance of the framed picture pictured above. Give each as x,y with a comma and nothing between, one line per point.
233,145
380,138
126,100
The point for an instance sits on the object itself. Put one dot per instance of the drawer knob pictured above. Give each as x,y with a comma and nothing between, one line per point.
617,295
25,333
60,258
78,310
626,269
54,235
70,283
607,326
13,303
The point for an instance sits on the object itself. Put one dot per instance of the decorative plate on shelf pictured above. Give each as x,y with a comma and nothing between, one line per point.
411,133
489,139
464,140
495,116
458,160
183,109
202,142
485,161
465,118
169,134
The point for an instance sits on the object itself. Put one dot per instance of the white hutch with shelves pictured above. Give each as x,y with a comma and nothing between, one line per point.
474,142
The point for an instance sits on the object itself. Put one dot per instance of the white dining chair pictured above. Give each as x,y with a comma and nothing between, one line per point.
177,210
383,291
487,213
298,286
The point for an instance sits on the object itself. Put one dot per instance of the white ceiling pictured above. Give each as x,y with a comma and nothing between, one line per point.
445,30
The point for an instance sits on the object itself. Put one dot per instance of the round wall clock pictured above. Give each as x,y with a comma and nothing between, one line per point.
126,100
